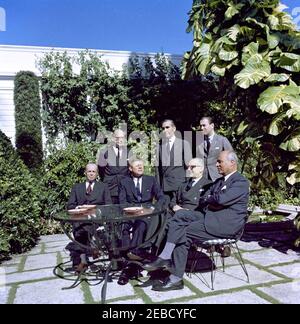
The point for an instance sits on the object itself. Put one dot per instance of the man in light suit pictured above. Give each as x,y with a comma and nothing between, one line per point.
172,154
211,145
89,192
223,215
112,164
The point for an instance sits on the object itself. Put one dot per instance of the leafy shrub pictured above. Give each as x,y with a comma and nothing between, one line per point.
20,207
64,168
28,119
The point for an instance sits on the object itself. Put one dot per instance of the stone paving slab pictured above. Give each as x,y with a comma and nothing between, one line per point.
10,269
241,297
287,293
29,275
269,257
4,292
53,238
39,293
113,291
158,296
233,277
129,301
291,270
36,250
249,246
40,261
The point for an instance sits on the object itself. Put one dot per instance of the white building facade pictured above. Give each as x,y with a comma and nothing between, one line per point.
14,59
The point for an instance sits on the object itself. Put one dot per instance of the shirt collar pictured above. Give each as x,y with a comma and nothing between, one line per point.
228,175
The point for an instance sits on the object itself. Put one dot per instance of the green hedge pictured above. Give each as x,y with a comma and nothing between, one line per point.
20,203
28,119
64,168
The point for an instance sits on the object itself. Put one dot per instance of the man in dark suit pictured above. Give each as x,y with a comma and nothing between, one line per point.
210,146
172,154
112,163
190,192
89,192
223,215
137,189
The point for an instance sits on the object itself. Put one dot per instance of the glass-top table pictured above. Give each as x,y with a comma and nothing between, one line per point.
104,223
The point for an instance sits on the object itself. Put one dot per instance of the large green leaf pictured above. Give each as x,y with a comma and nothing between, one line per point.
274,97
233,32
227,56
252,73
276,126
233,9
292,144
288,61
277,77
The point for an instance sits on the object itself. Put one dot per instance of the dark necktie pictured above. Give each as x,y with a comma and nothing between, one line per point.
190,184
118,156
138,190
207,144
89,188
168,147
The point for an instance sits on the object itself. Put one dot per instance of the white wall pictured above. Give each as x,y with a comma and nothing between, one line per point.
23,58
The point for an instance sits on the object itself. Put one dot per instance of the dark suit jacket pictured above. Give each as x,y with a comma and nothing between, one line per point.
99,196
150,190
109,172
218,144
171,176
190,199
226,211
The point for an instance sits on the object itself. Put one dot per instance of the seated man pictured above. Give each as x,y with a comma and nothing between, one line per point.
89,192
223,215
137,189
187,198
190,192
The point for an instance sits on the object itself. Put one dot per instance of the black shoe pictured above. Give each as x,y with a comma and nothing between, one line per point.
159,263
123,279
169,286
134,257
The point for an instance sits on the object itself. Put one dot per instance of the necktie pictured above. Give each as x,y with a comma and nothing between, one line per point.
190,184
89,188
168,147
118,156
207,144
138,190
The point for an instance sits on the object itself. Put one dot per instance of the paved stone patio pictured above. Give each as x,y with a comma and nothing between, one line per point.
274,278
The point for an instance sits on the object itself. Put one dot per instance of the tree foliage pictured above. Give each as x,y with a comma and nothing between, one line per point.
253,49
28,119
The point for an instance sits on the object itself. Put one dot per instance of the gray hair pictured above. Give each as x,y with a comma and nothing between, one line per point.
198,161
231,156
133,160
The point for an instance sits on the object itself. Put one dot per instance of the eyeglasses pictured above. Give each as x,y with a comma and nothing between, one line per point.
192,166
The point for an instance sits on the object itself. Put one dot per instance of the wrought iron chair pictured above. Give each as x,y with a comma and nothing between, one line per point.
212,247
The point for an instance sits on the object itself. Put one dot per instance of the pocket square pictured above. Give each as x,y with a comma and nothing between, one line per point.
217,148
200,190
224,187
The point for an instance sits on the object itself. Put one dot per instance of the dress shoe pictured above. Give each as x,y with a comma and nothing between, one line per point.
134,257
223,250
159,263
169,286
123,279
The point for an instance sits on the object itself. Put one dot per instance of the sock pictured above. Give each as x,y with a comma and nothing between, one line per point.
167,251
174,278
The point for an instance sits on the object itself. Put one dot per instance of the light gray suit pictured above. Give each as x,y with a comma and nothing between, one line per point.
219,143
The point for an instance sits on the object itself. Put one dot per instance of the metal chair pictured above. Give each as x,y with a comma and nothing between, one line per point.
212,247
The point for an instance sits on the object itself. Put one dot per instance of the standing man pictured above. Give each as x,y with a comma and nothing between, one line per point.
112,164
211,145
89,192
172,153
224,214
